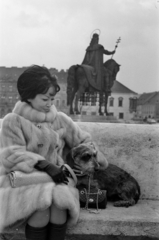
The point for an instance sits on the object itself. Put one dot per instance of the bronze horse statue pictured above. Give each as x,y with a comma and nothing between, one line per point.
81,79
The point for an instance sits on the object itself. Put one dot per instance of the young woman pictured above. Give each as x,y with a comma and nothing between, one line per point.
35,137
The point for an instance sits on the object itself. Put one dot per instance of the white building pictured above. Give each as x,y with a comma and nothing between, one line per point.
121,104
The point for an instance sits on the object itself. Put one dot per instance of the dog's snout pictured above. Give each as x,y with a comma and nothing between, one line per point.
96,165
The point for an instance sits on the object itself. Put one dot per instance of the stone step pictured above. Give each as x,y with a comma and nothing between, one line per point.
141,220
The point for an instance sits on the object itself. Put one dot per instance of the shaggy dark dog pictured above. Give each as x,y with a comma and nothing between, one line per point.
121,187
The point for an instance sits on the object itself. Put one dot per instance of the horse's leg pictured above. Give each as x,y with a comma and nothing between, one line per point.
71,101
82,86
106,89
100,102
106,102
78,94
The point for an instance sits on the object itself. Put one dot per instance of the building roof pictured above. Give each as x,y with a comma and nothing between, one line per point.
12,73
120,88
148,97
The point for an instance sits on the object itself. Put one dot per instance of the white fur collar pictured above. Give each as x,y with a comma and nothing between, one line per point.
25,110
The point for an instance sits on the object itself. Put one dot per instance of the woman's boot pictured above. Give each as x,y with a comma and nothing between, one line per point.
57,231
36,233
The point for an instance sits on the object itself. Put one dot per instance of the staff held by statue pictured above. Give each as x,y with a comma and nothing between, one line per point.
117,42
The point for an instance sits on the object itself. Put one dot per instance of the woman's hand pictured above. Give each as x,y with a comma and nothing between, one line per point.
55,172
77,169
59,176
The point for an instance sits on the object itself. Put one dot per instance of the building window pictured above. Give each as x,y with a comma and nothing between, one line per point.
120,102
3,98
133,104
93,99
111,102
111,114
10,99
57,103
87,99
10,88
2,113
93,113
121,115
63,102
84,112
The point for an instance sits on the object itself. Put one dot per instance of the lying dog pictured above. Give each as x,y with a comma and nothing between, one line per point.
121,187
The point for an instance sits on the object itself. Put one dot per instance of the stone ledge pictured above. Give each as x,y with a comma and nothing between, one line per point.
139,222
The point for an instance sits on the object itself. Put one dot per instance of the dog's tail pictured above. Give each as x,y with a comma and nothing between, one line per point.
125,203
129,202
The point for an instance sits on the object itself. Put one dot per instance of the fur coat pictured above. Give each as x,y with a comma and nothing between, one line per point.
26,137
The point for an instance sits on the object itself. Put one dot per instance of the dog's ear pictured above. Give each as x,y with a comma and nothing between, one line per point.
69,159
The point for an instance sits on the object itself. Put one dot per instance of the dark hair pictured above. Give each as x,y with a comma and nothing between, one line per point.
35,80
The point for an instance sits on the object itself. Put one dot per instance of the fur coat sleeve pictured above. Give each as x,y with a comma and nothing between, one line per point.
19,141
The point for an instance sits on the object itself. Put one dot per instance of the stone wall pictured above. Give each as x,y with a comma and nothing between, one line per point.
135,148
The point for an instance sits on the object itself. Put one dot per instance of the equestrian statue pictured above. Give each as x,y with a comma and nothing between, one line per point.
92,76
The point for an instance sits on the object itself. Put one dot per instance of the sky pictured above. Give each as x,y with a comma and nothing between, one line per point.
56,33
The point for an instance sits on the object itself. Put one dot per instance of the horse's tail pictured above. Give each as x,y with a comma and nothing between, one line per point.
70,82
